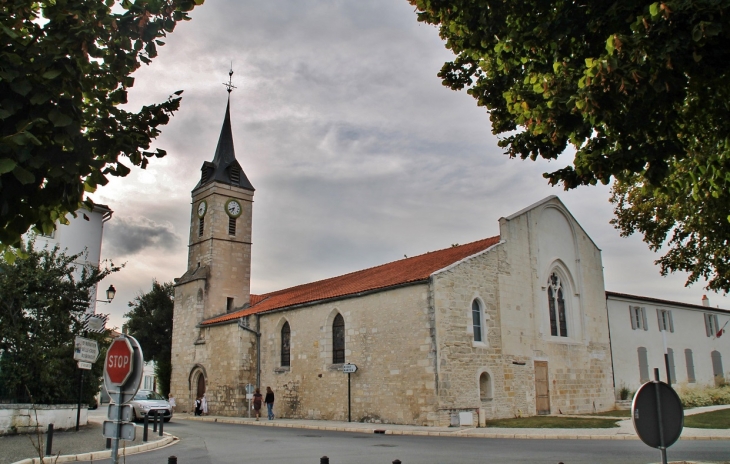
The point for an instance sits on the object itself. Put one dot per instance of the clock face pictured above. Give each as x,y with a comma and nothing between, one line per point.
202,208
233,208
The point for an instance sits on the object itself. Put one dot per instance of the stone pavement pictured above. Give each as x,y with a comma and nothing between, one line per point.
89,445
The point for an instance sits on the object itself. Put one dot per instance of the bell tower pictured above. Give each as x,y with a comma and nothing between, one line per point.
220,227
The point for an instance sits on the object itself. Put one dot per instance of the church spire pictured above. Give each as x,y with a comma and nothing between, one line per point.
225,167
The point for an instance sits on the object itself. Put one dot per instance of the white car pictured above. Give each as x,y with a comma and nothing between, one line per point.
145,402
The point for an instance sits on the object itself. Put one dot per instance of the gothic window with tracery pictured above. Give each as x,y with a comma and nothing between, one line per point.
338,340
556,303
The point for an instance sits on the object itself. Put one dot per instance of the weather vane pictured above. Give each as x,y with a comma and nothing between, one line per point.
229,85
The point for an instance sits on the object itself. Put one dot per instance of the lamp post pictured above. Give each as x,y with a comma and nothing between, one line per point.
110,293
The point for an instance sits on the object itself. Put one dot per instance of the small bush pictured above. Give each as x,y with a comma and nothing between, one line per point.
624,393
695,397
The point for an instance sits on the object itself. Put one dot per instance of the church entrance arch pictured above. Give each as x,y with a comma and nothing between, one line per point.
201,385
197,382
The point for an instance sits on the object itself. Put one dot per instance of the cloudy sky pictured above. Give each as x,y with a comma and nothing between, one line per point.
357,152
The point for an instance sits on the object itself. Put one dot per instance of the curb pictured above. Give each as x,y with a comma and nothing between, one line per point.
455,433
104,454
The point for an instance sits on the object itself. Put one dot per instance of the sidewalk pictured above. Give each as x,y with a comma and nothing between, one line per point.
625,431
89,445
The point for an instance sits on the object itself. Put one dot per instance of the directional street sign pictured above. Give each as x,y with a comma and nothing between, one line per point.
127,430
349,368
86,350
119,361
83,365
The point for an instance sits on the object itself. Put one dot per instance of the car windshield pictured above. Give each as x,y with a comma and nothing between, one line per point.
147,395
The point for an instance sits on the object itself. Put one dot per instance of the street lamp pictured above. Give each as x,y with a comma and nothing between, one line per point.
110,292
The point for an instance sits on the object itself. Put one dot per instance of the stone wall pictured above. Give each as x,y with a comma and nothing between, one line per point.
389,338
27,418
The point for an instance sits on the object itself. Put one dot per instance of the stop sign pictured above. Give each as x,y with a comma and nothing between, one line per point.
119,361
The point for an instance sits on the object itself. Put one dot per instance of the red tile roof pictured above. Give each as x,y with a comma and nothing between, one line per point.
404,271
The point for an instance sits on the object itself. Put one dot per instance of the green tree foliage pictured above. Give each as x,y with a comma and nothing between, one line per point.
42,302
639,90
150,322
65,67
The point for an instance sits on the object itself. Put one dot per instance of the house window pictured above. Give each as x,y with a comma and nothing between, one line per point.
665,320
285,345
638,318
476,316
556,303
231,226
201,226
229,304
717,371
670,361
643,365
485,386
690,365
338,340
711,324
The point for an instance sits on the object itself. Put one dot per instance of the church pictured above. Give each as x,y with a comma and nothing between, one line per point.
511,325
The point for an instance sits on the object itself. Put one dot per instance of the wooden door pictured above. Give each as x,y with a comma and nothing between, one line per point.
542,388
201,385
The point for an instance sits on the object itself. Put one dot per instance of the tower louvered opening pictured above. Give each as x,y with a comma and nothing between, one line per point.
201,227
204,176
231,226
235,174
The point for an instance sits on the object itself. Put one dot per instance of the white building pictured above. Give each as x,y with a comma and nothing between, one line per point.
639,327
83,234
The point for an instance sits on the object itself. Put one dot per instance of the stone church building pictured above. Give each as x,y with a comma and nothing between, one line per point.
510,325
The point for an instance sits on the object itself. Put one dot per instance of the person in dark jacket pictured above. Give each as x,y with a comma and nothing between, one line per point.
269,400
257,397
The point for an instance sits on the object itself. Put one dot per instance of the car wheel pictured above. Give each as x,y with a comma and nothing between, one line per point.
167,419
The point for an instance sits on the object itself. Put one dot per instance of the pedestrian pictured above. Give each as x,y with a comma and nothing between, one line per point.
204,405
171,400
197,406
257,397
269,400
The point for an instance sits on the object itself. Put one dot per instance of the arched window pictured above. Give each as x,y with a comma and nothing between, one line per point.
476,317
556,303
285,345
338,340
485,386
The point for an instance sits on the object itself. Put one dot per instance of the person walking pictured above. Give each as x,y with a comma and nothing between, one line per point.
257,397
269,400
197,406
204,405
171,400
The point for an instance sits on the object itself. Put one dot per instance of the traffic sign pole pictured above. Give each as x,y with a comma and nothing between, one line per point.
662,448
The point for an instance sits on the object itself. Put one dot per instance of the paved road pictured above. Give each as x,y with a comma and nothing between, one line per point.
213,443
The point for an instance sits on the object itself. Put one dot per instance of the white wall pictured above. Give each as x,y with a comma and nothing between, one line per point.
689,333
23,418
83,234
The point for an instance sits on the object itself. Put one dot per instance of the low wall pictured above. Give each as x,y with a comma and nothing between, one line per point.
24,418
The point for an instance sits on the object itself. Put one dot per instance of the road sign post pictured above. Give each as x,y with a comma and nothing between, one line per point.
349,369
86,352
657,415
122,377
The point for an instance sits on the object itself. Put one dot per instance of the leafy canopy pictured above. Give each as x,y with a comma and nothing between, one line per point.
150,322
44,298
638,90
65,67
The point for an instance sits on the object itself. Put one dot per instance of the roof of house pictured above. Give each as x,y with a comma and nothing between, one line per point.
658,301
397,273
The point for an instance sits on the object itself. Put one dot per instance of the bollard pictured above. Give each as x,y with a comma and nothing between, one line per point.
49,440
172,460
154,420
324,460
146,427
162,422
397,461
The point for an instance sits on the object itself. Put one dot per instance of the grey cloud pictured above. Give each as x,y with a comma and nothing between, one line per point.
129,235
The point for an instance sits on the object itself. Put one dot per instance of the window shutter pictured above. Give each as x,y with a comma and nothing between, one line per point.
643,365
707,325
716,327
671,322
690,366
643,318
672,370
659,318
632,315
